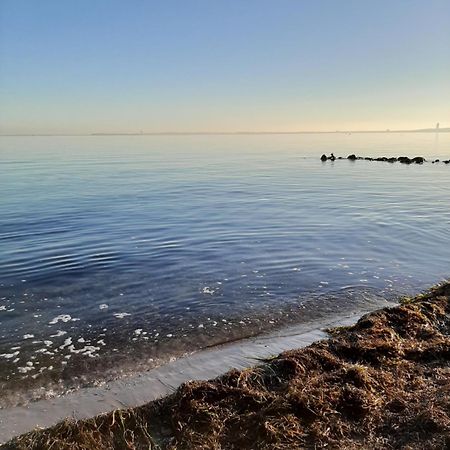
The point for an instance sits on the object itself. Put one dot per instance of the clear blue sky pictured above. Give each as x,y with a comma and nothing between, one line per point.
83,66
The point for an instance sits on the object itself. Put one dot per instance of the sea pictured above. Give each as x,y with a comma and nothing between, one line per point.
120,253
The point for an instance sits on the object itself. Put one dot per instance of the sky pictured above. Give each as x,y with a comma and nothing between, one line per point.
86,66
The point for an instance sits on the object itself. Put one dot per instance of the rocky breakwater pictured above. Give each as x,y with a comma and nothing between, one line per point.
400,159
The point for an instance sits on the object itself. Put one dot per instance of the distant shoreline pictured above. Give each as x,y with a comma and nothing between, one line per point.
237,133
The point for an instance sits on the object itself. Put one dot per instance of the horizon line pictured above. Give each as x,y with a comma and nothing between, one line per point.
212,133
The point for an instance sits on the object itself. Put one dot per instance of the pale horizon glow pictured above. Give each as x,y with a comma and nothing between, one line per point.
107,66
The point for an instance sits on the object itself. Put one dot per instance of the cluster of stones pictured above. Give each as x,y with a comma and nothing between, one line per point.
400,159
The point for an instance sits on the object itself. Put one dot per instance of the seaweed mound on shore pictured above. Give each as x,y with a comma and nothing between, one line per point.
382,383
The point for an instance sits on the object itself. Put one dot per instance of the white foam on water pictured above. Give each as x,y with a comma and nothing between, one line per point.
208,290
59,333
121,315
9,355
28,336
44,351
67,342
62,318
88,350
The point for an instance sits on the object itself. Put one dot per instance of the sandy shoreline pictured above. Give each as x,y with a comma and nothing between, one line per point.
383,382
153,384
64,363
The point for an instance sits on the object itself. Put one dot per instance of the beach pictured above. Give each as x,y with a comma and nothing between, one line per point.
381,383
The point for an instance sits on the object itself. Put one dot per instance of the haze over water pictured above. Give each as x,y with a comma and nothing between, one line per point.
119,252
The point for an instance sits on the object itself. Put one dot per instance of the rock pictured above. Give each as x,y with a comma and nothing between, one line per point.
401,159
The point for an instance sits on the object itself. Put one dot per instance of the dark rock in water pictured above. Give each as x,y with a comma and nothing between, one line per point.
416,160
447,162
401,159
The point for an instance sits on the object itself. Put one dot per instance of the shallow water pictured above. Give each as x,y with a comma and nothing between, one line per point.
119,252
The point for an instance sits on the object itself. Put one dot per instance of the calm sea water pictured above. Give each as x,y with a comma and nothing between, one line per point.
119,252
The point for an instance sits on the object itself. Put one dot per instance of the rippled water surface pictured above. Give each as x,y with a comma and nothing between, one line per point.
118,252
